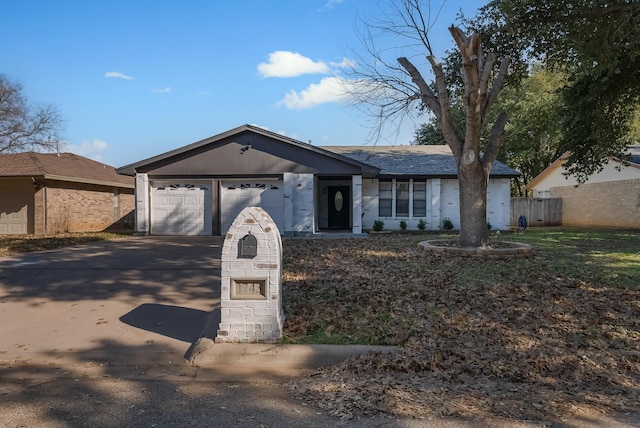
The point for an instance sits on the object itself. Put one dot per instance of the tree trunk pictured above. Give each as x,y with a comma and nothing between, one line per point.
473,205
474,162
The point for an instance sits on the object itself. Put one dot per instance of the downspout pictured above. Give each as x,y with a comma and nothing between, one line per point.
37,186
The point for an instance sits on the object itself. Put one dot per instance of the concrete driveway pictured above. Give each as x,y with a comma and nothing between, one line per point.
137,298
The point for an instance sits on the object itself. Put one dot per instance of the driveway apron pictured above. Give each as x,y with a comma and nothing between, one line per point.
130,300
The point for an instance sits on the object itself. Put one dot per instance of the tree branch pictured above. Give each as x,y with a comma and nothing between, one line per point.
497,85
426,94
496,137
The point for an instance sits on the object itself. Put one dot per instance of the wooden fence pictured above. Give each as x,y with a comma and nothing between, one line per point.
539,212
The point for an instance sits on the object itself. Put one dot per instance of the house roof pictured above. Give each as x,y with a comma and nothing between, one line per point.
194,147
419,160
62,167
633,161
634,155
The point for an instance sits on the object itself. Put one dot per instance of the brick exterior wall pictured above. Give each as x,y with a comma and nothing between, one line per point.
610,204
77,207
39,220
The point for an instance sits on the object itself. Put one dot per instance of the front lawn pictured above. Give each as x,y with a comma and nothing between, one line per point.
525,339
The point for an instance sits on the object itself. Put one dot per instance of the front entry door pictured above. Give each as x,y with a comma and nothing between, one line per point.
339,202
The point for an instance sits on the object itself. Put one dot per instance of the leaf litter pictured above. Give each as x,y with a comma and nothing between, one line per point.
516,339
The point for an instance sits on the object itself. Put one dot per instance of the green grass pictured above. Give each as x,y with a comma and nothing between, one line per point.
607,256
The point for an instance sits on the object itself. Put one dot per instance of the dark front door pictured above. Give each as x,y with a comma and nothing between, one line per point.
339,202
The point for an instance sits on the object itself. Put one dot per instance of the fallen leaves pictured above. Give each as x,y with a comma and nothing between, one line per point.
501,338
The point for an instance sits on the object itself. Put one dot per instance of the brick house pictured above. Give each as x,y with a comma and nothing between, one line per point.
610,198
50,193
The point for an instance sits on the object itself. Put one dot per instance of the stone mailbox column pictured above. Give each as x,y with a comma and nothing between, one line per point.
251,280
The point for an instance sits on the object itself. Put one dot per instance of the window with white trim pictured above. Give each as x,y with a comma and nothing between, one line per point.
402,198
419,198
385,198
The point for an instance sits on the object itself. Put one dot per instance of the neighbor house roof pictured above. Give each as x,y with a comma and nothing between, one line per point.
633,161
422,160
62,167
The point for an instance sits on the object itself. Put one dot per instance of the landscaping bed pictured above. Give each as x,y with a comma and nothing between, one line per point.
538,339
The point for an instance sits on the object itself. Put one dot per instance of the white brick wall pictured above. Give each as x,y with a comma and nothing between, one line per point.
257,320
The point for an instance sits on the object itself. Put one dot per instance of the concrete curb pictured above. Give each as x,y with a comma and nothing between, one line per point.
310,357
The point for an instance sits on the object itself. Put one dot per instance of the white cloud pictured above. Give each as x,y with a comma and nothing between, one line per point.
117,75
290,64
329,90
90,149
345,63
161,90
331,3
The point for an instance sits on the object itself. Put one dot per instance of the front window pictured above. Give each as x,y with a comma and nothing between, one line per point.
419,199
402,198
385,197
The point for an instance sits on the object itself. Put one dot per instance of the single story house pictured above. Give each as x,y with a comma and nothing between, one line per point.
50,193
609,198
200,188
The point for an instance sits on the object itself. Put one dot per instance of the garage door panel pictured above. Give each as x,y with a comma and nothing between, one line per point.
16,199
180,209
238,195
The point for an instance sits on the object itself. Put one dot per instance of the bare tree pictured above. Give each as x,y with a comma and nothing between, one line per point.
392,90
24,127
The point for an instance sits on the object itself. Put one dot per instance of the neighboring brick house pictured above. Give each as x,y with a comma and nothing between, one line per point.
610,198
51,193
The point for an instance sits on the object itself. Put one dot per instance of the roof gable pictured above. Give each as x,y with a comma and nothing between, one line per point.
248,150
63,167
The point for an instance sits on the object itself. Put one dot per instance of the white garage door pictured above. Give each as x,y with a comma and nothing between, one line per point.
237,195
180,209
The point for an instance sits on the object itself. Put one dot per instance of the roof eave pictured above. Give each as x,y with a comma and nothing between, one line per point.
87,181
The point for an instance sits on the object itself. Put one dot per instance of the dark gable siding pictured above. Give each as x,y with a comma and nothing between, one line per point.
263,156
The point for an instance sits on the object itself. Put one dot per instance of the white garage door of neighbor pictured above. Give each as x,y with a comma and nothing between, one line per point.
237,195
180,209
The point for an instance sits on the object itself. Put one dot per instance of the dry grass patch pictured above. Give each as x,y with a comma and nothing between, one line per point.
14,244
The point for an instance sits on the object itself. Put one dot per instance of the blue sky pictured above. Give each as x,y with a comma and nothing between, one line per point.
133,79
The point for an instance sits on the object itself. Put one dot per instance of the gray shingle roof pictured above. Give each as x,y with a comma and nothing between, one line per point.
427,161
634,152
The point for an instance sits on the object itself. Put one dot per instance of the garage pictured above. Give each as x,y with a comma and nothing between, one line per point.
17,195
237,195
180,208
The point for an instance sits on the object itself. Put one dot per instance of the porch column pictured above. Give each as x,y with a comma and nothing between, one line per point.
288,184
356,181
142,203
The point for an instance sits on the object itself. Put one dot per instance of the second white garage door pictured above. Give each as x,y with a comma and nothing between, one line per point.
180,209
237,195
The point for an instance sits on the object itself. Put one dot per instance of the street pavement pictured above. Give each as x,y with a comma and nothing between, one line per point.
98,335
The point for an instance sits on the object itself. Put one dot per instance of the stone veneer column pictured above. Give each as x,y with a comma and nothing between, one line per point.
142,203
356,190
